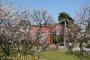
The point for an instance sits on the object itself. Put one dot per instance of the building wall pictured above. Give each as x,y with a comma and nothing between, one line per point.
45,32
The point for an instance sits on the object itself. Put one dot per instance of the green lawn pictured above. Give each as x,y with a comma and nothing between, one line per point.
60,55
52,54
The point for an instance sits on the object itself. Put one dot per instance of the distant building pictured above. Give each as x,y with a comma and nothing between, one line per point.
45,31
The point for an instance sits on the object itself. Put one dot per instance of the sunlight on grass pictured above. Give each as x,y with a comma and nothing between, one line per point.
58,55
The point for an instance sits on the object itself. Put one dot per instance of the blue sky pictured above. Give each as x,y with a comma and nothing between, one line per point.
53,6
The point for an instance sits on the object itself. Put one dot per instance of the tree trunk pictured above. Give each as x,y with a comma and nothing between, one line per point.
81,51
18,47
8,50
57,46
65,35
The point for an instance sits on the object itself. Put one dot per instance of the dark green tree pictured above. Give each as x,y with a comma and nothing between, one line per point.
66,20
60,38
64,15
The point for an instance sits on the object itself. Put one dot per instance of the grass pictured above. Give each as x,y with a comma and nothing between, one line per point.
60,55
15,55
51,54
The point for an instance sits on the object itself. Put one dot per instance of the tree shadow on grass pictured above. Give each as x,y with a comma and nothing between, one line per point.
86,55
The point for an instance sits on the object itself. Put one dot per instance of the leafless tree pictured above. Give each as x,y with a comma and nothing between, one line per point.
83,17
14,27
40,18
22,27
7,15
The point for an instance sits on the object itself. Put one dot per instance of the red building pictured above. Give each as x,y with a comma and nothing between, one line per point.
45,32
